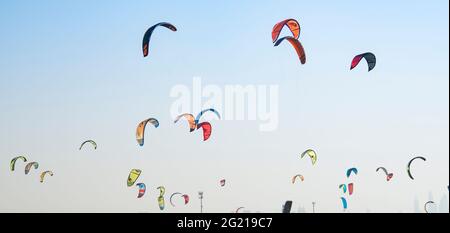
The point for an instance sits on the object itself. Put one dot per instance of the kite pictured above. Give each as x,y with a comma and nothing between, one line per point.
389,176
197,120
298,176
28,167
207,130
141,129
45,173
14,160
148,35
293,26
171,198
350,171
350,189
161,203
343,187
370,58
410,163
239,209
185,197
222,183
94,144
133,176
426,206
191,120
162,190
297,46
344,203
312,154
142,189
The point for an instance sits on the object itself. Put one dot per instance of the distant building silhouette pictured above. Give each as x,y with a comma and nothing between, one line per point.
287,207
443,205
416,206
432,208
301,210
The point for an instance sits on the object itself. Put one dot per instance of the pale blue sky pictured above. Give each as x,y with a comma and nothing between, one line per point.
73,70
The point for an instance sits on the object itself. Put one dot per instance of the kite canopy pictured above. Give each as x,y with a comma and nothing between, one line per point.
142,189
199,116
191,120
29,166
382,169
312,154
185,198
162,190
350,171
295,178
343,187
344,203
207,130
370,58
411,162
351,188
140,130
222,183
43,174
133,176
161,203
239,209
149,33
389,176
171,198
14,160
426,206
293,26
94,144
297,46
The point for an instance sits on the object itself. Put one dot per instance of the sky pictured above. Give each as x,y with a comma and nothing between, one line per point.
73,70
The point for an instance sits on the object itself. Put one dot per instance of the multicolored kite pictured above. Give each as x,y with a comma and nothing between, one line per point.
294,179
142,189
389,176
370,58
29,166
191,120
133,176
140,130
